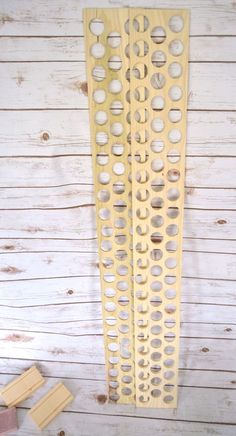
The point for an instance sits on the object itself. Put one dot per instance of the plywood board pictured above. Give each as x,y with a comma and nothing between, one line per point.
139,60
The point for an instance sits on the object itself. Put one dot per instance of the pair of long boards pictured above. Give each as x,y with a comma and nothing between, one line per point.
137,62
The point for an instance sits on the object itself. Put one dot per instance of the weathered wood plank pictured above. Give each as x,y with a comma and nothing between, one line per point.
48,132
15,266
207,172
90,245
21,49
187,377
85,319
79,223
93,424
58,85
208,17
195,353
76,195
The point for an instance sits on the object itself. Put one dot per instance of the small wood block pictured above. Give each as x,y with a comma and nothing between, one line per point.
8,420
50,405
22,387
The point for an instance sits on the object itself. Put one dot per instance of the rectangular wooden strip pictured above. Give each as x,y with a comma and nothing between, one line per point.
22,387
50,405
108,90
8,420
158,64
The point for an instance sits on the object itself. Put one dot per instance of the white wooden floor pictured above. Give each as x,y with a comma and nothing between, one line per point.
50,312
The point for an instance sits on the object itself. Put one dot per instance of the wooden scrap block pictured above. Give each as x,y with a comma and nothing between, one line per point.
8,420
50,405
22,387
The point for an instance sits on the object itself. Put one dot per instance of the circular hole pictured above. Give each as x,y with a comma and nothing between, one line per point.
158,103
110,306
100,117
170,293
169,375
156,301
141,48
175,115
156,315
156,356
98,73
174,136
118,168
173,175
113,372
158,81
169,337
109,278
156,254
140,71
122,270
175,93
110,292
115,86
157,221
116,129
120,223
117,149
175,70
141,156
176,47
155,381
158,34
114,39
156,238
141,247
158,58
103,195
173,194
171,308
123,328
127,379
120,239
171,246
156,286
173,156
141,93
111,320
157,202
141,136
140,23
170,280
121,255
119,187
176,23
99,96
104,178
142,194
169,388
101,138
157,165
97,50
119,205
114,384
157,184
169,323
156,330
156,271
171,262
169,350
122,285
115,63
123,300
157,125
168,399
107,231
113,347
157,146
141,115
123,315
173,212
142,230
116,107
96,26
155,369
172,230
155,393
142,176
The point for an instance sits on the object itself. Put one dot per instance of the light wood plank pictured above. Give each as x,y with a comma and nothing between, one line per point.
208,172
58,85
92,424
208,17
49,132
14,266
71,48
